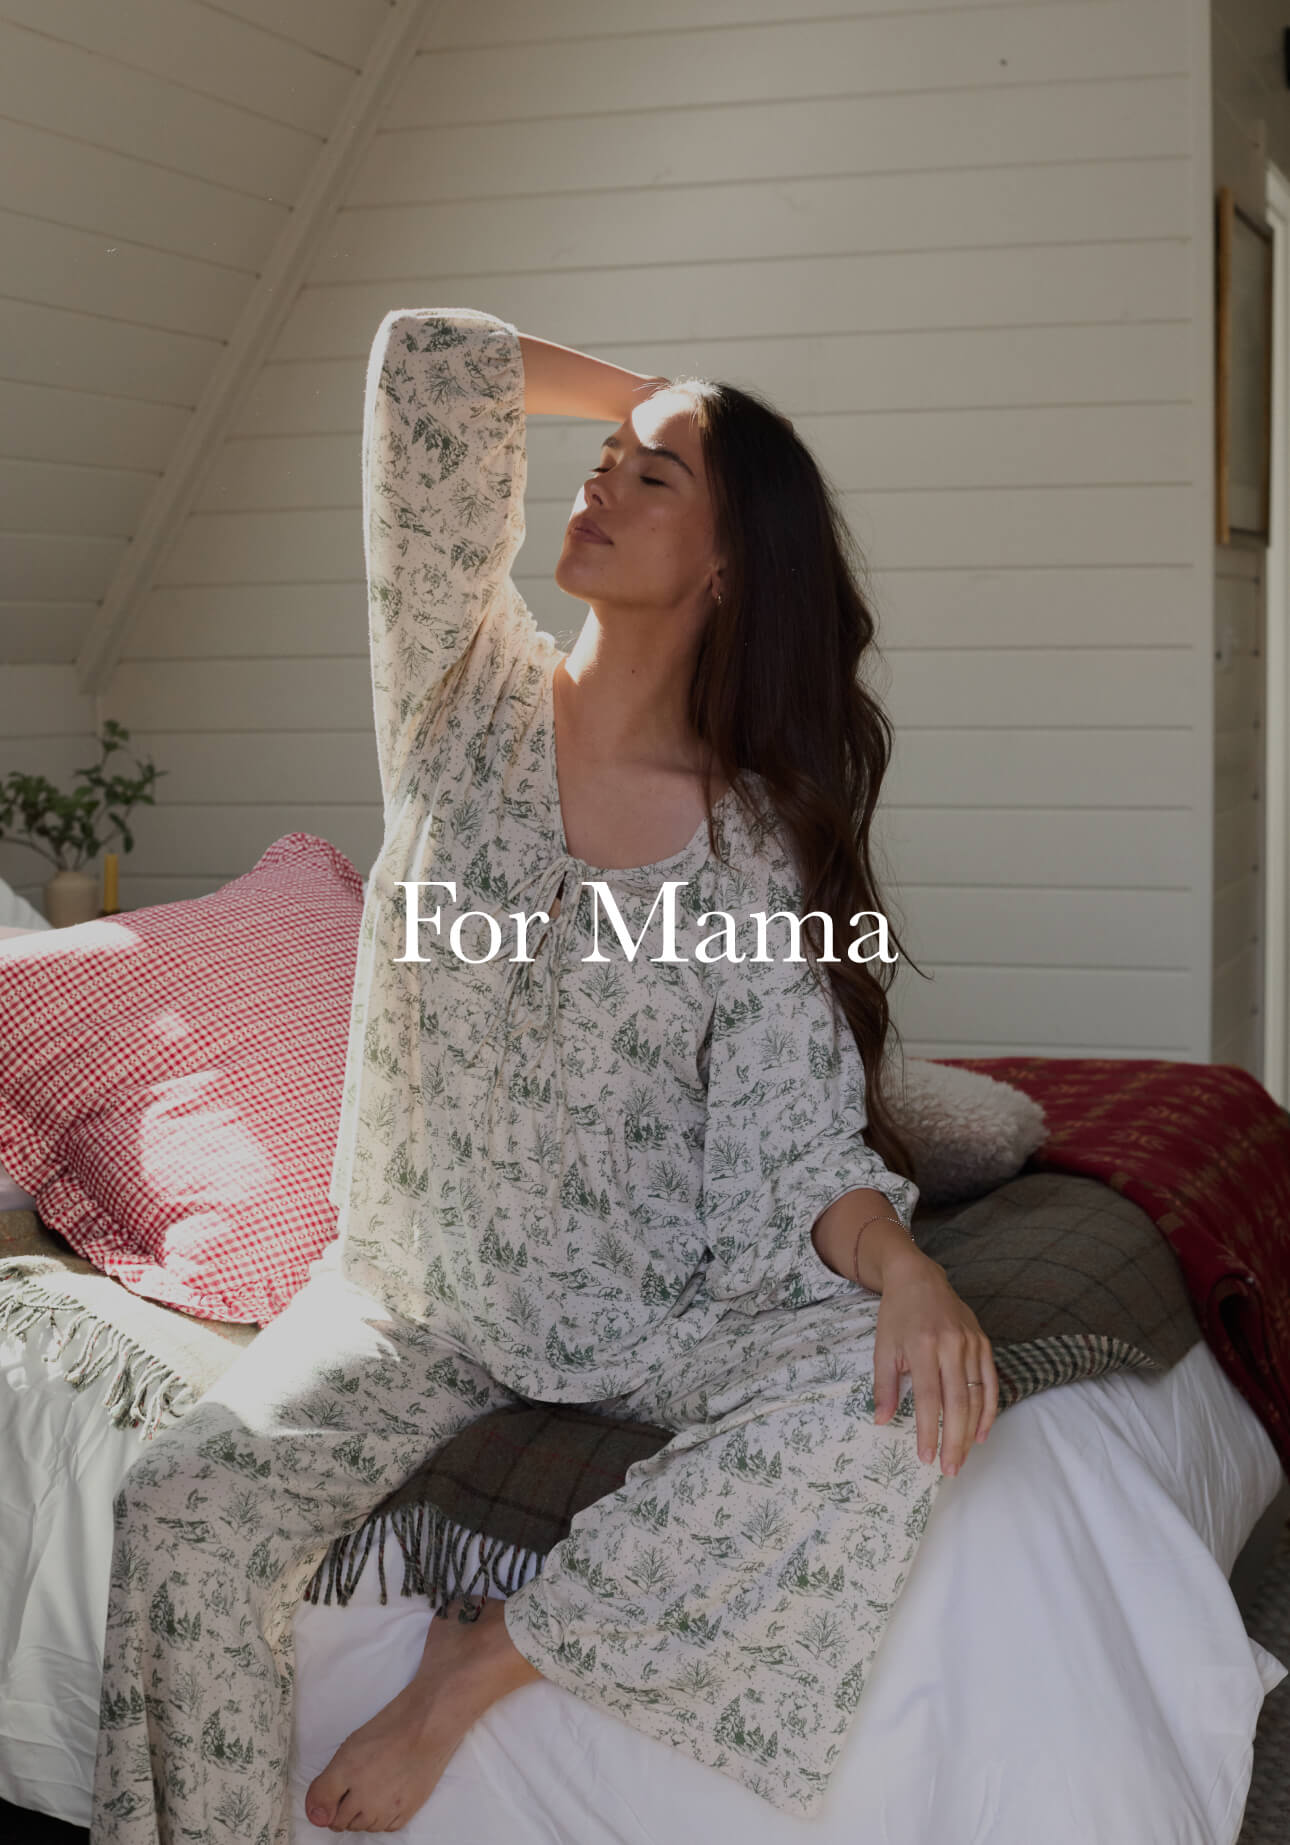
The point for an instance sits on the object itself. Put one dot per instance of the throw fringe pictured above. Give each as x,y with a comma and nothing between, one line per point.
143,1391
435,1553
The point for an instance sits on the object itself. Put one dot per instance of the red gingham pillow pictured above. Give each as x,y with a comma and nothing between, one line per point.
170,1081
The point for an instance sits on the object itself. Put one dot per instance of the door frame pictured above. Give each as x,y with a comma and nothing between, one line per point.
1276,766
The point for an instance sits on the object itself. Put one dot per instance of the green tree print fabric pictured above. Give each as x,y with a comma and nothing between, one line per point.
558,1180
728,1599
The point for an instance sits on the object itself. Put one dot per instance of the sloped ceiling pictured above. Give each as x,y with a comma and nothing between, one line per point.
166,168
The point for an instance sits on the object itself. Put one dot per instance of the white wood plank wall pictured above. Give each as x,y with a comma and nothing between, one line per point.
150,156
966,248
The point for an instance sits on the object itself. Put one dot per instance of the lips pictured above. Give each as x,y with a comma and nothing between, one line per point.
588,529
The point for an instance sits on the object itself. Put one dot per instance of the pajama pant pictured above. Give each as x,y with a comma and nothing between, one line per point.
727,1599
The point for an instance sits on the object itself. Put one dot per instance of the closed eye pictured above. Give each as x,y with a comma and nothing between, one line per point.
649,479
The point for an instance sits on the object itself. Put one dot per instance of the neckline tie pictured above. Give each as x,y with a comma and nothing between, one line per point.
537,979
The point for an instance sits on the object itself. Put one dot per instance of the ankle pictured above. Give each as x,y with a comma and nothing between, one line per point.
492,1654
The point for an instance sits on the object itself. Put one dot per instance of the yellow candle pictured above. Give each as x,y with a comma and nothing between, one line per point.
110,904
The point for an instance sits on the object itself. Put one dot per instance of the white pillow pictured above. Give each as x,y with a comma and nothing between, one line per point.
967,1132
16,918
17,913
12,1196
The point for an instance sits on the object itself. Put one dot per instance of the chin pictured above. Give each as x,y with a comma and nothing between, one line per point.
573,581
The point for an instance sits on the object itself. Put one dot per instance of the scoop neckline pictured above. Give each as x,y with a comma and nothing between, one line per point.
688,850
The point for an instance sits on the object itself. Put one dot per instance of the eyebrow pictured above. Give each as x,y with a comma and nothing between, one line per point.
668,454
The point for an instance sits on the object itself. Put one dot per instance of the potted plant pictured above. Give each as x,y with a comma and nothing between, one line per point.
66,828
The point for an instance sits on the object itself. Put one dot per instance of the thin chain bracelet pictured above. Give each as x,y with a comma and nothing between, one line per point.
881,1218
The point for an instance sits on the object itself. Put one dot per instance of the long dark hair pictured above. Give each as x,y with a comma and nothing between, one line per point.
776,689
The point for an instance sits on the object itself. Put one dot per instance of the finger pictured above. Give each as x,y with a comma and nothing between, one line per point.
955,1394
975,1397
927,1398
990,1378
886,1383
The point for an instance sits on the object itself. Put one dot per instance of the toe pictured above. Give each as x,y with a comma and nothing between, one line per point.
348,1816
324,1796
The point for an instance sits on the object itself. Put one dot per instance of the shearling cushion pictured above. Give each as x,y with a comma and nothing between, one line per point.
966,1131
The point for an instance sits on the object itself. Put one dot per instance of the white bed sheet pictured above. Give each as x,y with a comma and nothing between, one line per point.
1066,1659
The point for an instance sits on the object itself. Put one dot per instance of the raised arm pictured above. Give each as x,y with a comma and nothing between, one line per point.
444,470
443,505
560,381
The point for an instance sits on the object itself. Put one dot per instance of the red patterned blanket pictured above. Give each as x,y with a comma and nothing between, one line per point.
1205,1151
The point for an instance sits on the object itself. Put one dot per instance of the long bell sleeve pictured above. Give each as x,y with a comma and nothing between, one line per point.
784,1137
444,472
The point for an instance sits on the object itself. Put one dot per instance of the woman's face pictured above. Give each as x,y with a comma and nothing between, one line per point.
655,511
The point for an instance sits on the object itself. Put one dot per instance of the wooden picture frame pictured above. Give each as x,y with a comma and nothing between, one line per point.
1243,302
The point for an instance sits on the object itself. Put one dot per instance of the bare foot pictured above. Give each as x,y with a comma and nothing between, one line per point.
386,1771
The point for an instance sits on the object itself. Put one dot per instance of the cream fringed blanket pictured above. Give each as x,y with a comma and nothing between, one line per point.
155,1362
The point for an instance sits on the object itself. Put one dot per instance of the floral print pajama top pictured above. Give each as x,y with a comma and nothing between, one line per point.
573,1167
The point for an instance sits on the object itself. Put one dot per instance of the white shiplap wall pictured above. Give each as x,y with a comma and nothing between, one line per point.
964,247
151,154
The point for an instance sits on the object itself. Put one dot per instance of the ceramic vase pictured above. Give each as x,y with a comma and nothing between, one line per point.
71,897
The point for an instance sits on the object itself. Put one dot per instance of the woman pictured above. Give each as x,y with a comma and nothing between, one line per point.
639,1181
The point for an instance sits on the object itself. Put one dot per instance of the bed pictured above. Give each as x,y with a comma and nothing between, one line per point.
1035,1673
1067,1658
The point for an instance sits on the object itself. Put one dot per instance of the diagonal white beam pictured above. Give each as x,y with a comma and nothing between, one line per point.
256,329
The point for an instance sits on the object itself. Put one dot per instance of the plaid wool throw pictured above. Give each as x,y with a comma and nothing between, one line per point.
1068,1279
1205,1151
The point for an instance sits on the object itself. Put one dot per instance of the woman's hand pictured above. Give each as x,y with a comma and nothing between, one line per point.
926,1329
